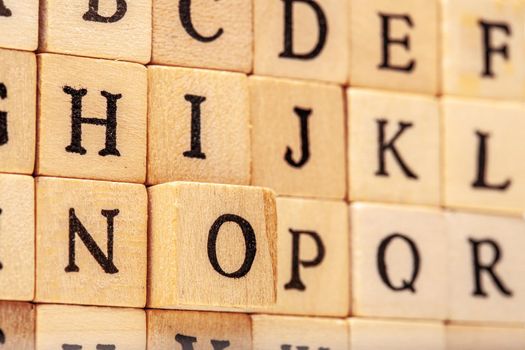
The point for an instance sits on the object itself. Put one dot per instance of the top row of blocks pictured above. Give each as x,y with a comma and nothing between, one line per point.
479,45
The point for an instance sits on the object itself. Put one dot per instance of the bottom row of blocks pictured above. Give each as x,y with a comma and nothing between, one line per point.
26,326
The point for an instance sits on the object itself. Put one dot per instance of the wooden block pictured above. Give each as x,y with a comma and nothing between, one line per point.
395,45
203,34
17,326
464,337
17,111
91,242
198,330
199,127
482,142
92,119
397,265
211,246
19,24
70,327
17,237
370,334
302,39
394,146
114,29
486,266
287,333
484,48
298,138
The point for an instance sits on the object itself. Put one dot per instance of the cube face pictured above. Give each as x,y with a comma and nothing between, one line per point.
199,128
116,29
92,121
17,326
397,265
211,246
479,172
394,45
485,268
91,242
198,330
298,138
17,111
314,45
19,24
83,327
394,146
203,34
476,35
463,337
17,237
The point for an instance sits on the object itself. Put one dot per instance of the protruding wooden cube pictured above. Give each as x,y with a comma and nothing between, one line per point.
91,242
486,265
464,337
302,39
86,327
114,29
396,335
211,246
17,326
287,333
483,144
198,330
199,126
17,237
483,48
92,119
398,265
19,24
298,138
17,110
203,34
395,45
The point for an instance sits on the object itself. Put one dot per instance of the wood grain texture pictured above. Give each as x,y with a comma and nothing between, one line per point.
182,219
127,37
171,330
55,118
18,76
20,29
92,284
276,127
231,50
89,326
224,126
465,337
17,325
17,237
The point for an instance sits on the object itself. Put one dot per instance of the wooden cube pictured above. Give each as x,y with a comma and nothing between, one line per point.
397,268
92,119
369,334
287,333
17,111
114,29
298,138
17,326
302,39
203,34
486,265
199,126
17,237
198,330
70,327
19,24
394,147
483,143
211,246
465,337
395,45
484,48
91,242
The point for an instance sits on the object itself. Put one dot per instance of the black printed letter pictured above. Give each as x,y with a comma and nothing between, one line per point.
4,136
187,342
481,176
389,146
195,151
94,16
4,11
387,41
185,18
488,49
303,115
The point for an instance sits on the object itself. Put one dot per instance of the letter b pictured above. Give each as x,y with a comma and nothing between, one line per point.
93,15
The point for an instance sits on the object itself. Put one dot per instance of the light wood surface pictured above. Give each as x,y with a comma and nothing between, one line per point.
20,29
464,337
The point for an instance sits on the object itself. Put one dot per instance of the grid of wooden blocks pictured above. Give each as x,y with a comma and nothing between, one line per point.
262,174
